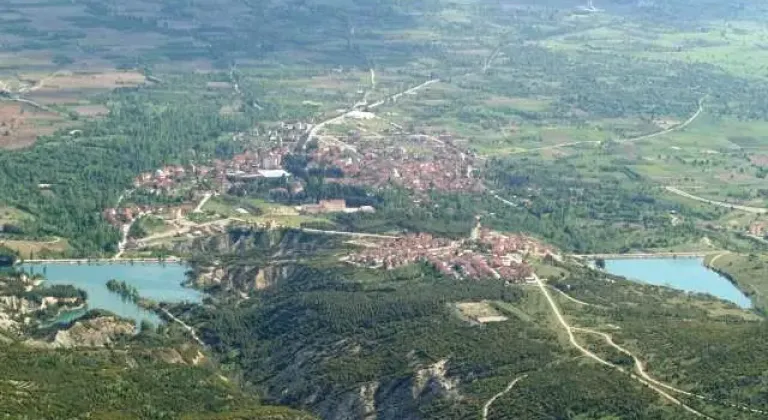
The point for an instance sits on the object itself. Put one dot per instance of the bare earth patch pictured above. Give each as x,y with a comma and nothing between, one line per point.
91,110
20,125
759,160
102,80
481,312
69,88
218,85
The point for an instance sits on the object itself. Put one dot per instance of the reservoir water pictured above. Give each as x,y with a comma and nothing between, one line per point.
159,282
687,274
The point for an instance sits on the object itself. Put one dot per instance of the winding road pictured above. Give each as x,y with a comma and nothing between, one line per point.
753,210
671,129
678,127
652,384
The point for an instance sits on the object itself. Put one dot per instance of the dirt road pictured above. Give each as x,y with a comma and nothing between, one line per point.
678,127
199,208
572,339
671,129
189,329
125,230
571,298
509,387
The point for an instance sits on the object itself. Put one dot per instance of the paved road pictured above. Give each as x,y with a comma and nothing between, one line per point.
753,210
640,256
410,91
313,132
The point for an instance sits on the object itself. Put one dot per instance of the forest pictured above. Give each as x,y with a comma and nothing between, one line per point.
335,329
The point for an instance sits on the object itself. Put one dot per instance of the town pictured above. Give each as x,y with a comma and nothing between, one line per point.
488,254
442,168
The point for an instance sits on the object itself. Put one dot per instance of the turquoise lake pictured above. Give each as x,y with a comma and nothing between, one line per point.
159,282
687,274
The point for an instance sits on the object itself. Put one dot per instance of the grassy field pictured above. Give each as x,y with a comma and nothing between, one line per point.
36,249
749,272
259,211
12,215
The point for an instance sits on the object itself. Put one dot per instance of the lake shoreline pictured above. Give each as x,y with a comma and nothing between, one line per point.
154,281
690,275
740,286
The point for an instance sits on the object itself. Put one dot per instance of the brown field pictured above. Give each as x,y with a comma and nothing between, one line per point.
481,312
102,80
20,124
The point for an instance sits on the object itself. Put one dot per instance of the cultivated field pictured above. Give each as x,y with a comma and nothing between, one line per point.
21,124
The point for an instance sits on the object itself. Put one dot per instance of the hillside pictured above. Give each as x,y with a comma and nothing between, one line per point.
348,342
389,204
102,367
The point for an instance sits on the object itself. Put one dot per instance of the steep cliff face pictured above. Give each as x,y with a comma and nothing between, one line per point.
241,279
399,397
387,399
257,259
101,331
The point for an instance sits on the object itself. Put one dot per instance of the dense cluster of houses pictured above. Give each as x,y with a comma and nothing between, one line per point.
444,169
758,229
261,163
253,163
491,255
167,178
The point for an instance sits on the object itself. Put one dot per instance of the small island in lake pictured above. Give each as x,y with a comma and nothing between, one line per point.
125,290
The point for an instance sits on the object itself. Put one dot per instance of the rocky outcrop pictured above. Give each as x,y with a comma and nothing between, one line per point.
433,380
391,398
263,257
14,305
96,332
